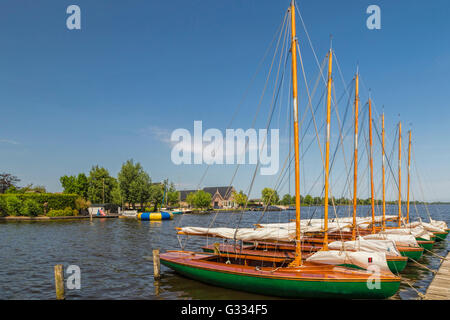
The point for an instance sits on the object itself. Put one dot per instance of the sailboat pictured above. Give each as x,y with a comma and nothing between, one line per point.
406,244
395,261
318,276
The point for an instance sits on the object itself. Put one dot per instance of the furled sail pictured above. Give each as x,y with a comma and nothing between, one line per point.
439,224
386,246
427,226
417,232
405,239
244,234
363,260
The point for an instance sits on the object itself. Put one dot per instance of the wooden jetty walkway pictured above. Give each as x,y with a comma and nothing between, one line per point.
439,288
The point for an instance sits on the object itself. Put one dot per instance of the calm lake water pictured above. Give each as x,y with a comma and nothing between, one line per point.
114,255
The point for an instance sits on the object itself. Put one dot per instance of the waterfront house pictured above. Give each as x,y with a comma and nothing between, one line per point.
222,197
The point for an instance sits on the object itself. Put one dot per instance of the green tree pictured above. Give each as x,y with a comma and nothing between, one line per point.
156,195
269,196
116,195
286,200
7,180
101,185
134,183
202,199
190,199
308,200
240,198
172,195
75,185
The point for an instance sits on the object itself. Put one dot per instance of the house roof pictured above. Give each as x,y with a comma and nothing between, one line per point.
225,192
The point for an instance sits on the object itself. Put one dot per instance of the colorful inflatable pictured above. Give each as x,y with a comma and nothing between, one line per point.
154,216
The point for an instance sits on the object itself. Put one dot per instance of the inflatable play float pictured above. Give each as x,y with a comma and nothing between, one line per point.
155,216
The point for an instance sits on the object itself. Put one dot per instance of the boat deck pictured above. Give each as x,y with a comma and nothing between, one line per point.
439,288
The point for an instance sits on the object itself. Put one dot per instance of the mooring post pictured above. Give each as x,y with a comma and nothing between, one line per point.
156,265
59,282
216,248
157,288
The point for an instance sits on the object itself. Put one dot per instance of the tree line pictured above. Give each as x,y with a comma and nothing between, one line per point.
271,197
132,186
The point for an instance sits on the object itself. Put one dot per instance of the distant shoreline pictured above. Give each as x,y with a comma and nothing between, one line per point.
45,218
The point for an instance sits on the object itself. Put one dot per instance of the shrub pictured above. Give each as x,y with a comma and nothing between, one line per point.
3,208
55,201
67,212
31,208
13,206
81,203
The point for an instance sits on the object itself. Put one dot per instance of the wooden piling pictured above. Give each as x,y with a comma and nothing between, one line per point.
59,282
156,265
216,248
156,285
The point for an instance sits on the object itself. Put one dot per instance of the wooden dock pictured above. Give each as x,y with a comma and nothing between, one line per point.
439,288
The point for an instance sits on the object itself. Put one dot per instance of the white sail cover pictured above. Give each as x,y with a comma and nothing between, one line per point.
334,225
313,226
417,232
405,239
386,246
244,234
427,226
360,259
439,224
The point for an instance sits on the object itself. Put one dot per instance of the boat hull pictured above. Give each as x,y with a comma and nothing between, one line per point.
267,283
413,253
395,264
425,244
440,235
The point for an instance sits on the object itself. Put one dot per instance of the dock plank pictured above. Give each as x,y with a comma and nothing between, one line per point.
439,288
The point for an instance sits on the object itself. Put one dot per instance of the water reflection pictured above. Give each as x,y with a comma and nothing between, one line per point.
115,256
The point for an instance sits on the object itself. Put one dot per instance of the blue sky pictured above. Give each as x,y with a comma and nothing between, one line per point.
137,70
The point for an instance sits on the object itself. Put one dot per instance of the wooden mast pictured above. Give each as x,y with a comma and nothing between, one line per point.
409,174
298,250
400,174
327,153
371,166
355,161
383,173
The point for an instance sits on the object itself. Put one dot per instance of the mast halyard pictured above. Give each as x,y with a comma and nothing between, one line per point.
409,174
298,250
383,173
327,153
371,167
355,161
399,174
